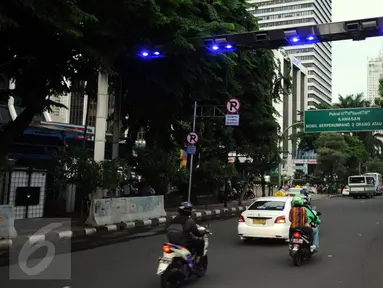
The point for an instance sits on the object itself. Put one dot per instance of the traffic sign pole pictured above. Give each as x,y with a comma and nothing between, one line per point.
192,155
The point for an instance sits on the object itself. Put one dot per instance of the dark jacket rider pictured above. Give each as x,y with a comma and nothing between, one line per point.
184,231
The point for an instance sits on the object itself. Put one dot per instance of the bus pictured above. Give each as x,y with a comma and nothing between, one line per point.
362,186
378,181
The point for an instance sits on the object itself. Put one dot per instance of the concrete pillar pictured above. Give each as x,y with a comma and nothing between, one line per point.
117,117
11,102
101,116
290,112
86,99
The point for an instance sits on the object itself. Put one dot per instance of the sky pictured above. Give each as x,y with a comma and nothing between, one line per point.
349,58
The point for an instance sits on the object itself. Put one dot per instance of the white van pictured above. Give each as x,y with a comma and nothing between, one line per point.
362,186
378,182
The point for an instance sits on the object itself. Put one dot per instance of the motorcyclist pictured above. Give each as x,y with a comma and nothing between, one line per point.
184,231
299,219
304,192
314,222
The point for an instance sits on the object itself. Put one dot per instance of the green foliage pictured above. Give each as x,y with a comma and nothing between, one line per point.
159,168
176,82
357,154
332,156
306,140
351,101
381,87
76,167
63,42
40,41
374,165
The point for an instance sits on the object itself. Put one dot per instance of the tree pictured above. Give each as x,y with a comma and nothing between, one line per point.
332,156
74,166
306,141
374,165
351,101
171,85
157,95
381,87
159,168
357,155
41,40
50,46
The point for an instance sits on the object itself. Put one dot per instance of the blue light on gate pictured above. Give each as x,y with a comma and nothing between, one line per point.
296,40
221,48
147,54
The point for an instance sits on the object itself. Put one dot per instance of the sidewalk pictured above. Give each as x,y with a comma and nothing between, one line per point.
56,229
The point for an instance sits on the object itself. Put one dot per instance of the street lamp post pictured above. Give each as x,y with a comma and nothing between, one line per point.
280,142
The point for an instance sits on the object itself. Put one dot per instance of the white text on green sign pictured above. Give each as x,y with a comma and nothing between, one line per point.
343,120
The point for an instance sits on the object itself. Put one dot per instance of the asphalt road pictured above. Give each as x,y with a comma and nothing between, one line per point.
351,254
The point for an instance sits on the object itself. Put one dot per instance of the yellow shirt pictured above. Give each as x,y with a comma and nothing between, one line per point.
280,193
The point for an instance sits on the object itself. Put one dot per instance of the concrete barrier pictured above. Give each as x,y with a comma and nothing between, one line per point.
120,210
7,222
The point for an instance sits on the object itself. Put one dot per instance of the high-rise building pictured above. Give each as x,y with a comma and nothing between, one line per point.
60,114
289,109
284,14
374,73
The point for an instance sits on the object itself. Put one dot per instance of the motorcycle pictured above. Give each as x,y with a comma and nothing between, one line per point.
299,247
177,263
234,195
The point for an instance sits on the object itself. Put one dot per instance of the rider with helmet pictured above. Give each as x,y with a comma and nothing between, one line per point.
184,231
314,222
299,219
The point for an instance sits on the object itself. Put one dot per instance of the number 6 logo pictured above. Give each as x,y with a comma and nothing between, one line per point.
29,248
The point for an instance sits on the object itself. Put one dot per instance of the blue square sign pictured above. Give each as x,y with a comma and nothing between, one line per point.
191,149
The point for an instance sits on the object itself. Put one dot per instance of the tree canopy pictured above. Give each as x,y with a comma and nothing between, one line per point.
332,156
50,46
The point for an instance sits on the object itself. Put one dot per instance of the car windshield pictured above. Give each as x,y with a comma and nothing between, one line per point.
356,180
268,205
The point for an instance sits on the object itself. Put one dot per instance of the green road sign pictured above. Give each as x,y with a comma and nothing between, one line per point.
343,120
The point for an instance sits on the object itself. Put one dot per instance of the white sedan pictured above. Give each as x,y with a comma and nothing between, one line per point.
267,217
346,191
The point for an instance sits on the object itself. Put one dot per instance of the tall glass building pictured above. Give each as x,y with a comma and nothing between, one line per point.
374,73
282,14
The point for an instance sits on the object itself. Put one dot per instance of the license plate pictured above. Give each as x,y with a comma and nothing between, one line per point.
259,221
299,241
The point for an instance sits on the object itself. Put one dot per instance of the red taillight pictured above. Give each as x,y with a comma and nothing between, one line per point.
280,220
297,235
241,219
166,249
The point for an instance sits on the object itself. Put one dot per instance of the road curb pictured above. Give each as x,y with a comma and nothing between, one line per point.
55,236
